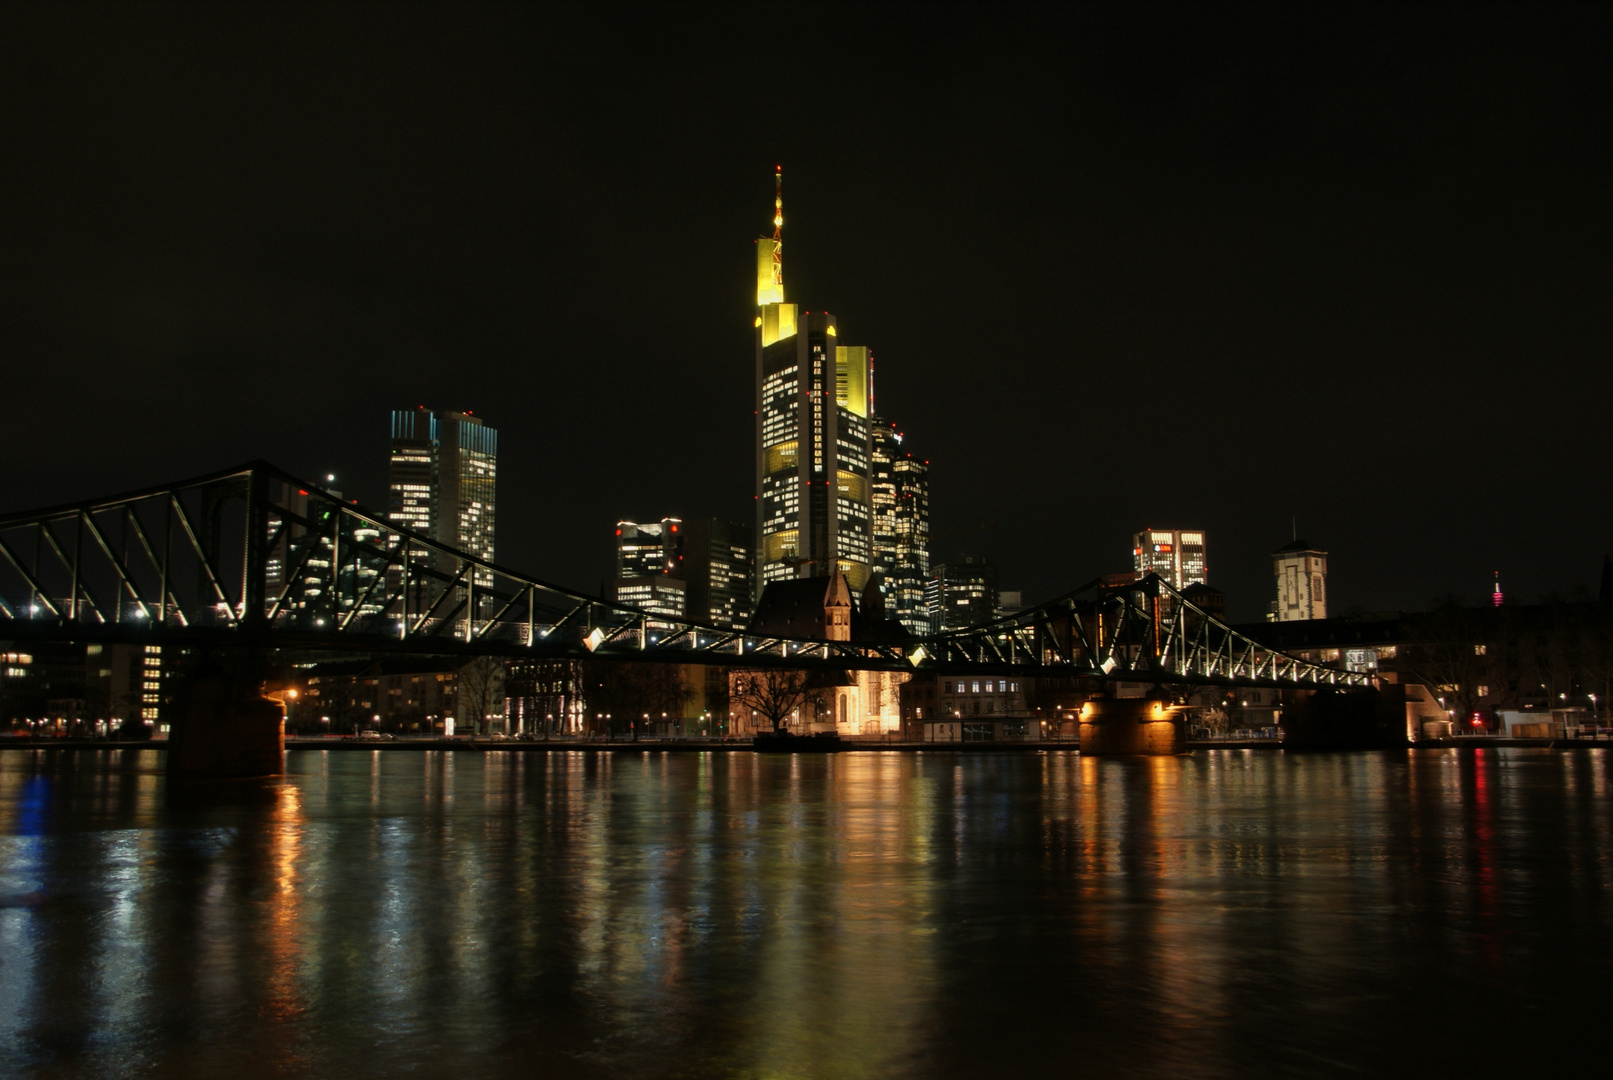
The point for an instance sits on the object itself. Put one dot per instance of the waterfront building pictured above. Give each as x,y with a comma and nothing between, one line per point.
813,511
900,502
1176,555
1301,573
963,593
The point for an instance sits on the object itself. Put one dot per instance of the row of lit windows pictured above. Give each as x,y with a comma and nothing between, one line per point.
973,686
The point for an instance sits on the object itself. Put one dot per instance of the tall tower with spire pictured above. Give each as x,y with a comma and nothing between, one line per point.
812,433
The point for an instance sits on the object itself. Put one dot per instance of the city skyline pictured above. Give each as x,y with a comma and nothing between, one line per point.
1373,305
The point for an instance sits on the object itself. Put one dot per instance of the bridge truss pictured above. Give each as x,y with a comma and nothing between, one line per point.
256,556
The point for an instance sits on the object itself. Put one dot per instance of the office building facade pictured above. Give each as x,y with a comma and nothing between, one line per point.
699,570
649,567
444,478
719,568
962,593
1176,555
899,495
812,436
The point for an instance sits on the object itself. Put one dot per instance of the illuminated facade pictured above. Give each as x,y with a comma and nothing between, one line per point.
700,570
649,567
963,593
719,568
1176,555
900,504
812,436
443,480
1301,572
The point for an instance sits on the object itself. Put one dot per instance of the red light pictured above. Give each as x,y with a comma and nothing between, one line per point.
300,491
618,532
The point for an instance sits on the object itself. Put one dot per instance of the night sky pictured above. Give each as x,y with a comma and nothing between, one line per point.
1181,267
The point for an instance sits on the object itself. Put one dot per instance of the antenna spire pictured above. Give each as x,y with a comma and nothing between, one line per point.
778,229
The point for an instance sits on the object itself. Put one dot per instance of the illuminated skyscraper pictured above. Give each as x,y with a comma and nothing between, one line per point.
1176,555
900,497
812,435
963,593
649,567
442,483
443,478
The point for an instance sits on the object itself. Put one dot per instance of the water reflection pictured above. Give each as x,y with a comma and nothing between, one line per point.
942,914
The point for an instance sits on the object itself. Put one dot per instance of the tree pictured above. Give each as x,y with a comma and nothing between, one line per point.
481,691
626,690
775,693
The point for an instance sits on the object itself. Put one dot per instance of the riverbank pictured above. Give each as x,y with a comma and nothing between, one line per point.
521,746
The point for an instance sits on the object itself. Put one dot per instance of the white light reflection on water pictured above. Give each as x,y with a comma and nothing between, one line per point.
856,915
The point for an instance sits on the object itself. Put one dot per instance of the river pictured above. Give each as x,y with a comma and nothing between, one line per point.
942,914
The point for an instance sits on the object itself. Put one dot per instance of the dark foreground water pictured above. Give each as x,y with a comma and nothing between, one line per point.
864,915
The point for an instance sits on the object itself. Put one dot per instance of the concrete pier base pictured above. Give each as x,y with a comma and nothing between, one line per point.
1131,726
224,728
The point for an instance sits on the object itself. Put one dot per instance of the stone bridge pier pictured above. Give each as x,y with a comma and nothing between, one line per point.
223,727
1145,725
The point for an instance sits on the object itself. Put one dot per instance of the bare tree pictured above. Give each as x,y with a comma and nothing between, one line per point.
774,693
481,691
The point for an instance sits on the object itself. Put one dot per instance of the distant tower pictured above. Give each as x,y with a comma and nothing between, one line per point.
1495,596
812,437
1301,572
443,477
962,593
1176,555
442,482
901,514
649,567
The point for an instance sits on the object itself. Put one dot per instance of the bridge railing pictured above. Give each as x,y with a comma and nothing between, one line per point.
255,554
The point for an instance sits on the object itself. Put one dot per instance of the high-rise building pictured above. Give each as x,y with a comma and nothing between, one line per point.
1176,555
443,483
963,593
812,435
698,570
900,497
718,567
1301,572
649,567
444,478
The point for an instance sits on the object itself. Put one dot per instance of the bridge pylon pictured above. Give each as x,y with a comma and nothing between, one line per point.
222,727
1150,725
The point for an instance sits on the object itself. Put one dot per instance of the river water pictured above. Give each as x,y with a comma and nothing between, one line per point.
950,914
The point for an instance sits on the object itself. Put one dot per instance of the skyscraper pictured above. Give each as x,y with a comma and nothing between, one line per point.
1301,572
444,478
649,567
963,593
812,436
443,484
900,497
718,566
1176,555
698,570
